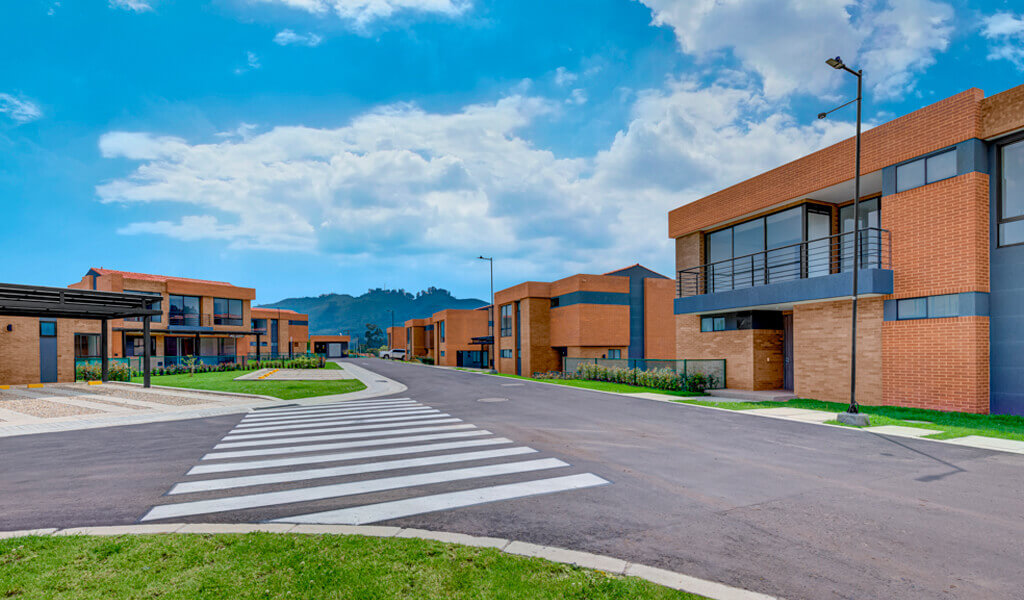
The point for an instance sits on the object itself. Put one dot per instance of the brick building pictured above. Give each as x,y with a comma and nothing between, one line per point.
332,346
765,266
625,314
282,332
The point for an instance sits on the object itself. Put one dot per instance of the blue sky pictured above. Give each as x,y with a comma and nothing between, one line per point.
310,146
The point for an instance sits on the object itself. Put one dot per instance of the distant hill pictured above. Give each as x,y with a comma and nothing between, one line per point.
337,313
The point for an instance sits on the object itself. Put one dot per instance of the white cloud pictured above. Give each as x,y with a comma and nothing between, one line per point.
363,12
786,42
19,109
1005,32
132,5
577,96
252,62
564,76
400,181
287,37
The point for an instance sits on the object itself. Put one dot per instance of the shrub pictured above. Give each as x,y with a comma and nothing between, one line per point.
426,360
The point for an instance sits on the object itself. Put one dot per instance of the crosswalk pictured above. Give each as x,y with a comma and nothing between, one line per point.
360,462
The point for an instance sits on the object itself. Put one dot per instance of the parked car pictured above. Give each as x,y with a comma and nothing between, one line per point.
393,354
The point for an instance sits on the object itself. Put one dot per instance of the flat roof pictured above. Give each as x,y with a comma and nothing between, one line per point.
68,303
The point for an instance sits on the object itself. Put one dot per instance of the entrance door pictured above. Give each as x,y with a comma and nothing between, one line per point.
334,350
47,351
787,351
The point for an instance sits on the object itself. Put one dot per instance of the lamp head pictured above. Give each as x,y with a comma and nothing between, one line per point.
835,63
822,115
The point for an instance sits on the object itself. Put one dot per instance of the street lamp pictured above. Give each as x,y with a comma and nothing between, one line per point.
391,342
490,357
852,415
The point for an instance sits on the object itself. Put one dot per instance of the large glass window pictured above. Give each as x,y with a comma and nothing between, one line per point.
870,241
183,310
1011,191
87,345
273,336
784,231
506,320
227,311
720,249
440,330
748,239
155,305
819,252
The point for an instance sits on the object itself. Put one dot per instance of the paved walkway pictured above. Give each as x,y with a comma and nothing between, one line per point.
70,407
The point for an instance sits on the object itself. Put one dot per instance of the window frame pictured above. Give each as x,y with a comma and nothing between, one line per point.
924,164
88,336
47,335
1000,220
184,316
617,352
225,318
505,326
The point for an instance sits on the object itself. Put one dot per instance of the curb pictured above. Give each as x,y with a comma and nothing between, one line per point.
586,560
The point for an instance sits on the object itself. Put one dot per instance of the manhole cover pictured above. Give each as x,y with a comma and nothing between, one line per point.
493,400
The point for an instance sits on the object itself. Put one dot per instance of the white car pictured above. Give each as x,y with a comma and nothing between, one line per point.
393,354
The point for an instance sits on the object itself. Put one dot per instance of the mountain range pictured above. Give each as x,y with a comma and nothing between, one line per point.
344,313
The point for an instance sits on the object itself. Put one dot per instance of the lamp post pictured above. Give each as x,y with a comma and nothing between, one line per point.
391,342
490,317
852,415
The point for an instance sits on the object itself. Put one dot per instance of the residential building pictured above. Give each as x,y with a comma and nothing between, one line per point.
765,267
332,346
396,336
209,320
419,339
280,332
625,314
457,337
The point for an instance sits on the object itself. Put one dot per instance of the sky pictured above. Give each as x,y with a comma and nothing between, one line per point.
304,147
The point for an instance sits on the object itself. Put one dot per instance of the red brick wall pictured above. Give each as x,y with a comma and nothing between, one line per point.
821,350
942,124
590,325
940,237
659,321
736,347
1002,113
937,363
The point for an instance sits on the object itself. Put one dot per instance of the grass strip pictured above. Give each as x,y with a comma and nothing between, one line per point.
262,565
952,424
224,381
605,386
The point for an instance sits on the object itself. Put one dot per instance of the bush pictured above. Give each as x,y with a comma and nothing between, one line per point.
659,379
426,360
116,371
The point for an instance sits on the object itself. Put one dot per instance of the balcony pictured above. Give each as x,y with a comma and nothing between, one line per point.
817,269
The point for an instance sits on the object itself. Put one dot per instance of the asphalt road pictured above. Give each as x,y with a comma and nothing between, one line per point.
785,508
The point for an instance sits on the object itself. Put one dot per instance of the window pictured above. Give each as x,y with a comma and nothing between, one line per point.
506,353
227,311
442,353
1011,194
926,170
155,306
870,242
133,346
259,325
440,330
87,345
506,320
912,308
183,310
298,323
947,305
615,353
47,328
712,324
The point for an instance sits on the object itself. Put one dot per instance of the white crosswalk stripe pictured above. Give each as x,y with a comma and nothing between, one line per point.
342,422
280,460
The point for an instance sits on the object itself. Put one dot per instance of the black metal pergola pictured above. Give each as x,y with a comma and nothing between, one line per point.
69,303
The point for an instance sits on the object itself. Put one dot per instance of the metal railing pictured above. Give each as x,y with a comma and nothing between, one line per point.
714,367
813,258
190,320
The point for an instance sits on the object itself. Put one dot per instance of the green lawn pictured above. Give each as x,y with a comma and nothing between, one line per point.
272,566
604,386
331,365
223,381
952,424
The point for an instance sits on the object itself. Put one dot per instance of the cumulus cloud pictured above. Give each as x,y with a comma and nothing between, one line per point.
786,41
132,5
1005,32
400,181
288,37
363,12
564,76
19,109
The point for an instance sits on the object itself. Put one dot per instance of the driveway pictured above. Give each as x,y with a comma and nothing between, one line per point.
785,508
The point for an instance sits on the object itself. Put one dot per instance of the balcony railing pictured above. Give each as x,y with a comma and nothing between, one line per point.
190,320
813,258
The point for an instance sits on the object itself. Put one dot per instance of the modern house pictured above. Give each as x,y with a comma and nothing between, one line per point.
457,337
206,319
331,346
280,332
765,267
419,338
623,315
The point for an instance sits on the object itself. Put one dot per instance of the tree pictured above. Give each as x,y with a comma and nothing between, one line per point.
375,336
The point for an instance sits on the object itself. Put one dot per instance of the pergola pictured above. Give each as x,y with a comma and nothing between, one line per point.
69,303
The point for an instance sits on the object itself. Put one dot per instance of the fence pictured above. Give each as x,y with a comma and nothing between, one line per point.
713,367
88,368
